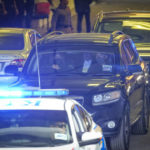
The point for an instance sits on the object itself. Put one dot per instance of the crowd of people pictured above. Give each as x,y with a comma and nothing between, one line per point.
19,13
12,13
62,17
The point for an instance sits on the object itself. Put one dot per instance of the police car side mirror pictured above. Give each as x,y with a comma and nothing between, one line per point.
12,69
89,138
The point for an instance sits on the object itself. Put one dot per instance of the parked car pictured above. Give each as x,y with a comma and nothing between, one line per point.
15,46
132,22
47,123
100,73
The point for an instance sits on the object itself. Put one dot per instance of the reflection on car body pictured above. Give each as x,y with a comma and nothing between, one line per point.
66,125
114,92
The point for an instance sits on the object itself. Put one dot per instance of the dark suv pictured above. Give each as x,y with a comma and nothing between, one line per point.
100,73
132,22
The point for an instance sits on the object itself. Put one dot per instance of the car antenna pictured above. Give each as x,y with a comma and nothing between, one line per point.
38,68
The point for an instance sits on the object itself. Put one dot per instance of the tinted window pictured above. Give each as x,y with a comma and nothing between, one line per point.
130,51
73,61
11,41
85,118
124,57
32,128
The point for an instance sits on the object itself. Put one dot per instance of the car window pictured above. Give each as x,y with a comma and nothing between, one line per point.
79,128
124,57
11,41
138,29
85,118
79,120
129,51
132,57
72,62
30,128
112,26
135,52
75,122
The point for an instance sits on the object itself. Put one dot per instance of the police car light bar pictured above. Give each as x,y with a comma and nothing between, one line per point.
18,93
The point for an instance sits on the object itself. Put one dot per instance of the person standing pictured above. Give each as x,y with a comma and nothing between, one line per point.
42,11
20,16
61,19
11,11
82,8
2,13
29,7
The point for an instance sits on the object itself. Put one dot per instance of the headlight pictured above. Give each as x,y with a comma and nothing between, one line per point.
105,97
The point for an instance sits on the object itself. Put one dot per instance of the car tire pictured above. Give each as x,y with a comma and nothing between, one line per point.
121,141
142,125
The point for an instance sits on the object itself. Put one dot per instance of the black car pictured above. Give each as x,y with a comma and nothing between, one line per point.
132,22
100,73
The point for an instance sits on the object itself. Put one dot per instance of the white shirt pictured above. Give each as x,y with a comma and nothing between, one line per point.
86,66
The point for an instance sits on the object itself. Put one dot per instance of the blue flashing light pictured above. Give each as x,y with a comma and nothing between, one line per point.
18,93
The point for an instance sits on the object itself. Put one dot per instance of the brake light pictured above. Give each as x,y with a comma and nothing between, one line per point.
18,62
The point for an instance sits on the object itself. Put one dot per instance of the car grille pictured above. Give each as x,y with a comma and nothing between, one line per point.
79,99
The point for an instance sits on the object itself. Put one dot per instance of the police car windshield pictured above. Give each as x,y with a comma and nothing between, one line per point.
30,128
138,29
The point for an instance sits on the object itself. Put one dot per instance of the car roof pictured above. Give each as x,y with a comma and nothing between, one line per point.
15,30
125,14
78,38
34,104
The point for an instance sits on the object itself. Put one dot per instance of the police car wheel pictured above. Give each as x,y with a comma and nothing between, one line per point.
142,125
121,141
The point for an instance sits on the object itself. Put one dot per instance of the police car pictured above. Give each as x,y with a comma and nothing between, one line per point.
30,119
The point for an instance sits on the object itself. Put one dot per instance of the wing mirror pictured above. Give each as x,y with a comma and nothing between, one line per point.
12,69
133,69
128,70
89,138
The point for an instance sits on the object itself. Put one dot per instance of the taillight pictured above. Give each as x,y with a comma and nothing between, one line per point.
18,62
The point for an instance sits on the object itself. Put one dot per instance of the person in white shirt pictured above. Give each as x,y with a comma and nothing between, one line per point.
87,62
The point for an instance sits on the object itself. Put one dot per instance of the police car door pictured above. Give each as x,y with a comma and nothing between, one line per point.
82,126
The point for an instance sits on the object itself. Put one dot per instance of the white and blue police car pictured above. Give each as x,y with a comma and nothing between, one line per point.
32,119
